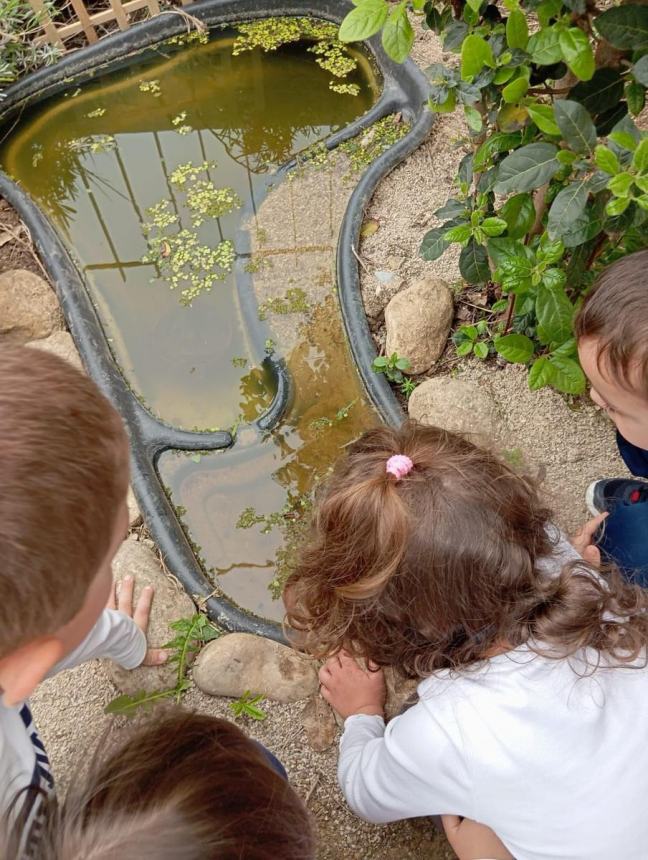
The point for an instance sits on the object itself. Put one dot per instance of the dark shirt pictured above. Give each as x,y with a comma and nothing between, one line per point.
636,459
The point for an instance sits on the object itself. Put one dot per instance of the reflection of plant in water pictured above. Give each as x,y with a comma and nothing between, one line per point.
331,54
96,144
293,520
180,256
294,301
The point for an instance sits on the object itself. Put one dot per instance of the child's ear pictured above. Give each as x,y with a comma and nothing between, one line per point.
23,670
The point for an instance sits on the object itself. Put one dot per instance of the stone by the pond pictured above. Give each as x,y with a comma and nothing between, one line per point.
378,295
318,721
418,320
59,343
134,515
455,405
170,603
242,661
29,309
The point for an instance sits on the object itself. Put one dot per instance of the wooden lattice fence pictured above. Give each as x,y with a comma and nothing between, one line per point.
117,12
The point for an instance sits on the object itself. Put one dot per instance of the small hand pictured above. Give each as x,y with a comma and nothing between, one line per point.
472,841
121,598
583,540
349,689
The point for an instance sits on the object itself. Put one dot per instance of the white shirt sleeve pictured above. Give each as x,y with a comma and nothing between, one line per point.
115,636
413,767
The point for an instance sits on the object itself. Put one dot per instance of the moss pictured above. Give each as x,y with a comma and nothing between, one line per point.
294,301
331,54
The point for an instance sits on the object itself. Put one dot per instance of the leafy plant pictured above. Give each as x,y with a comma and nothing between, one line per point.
248,706
407,387
555,186
392,366
20,53
474,339
191,634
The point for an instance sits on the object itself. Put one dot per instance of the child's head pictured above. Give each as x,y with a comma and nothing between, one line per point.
63,485
438,568
612,333
185,787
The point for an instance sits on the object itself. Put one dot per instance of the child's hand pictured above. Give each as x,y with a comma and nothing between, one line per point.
583,540
472,841
352,690
121,598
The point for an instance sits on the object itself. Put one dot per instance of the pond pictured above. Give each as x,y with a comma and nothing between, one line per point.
202,257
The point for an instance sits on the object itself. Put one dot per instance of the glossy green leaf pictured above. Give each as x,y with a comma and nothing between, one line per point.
473,263
541,373
640,70
461,233
550,250
568,219
498,142
475,54
481,350
516,90
635,97
577,52
516,348
493,226
567,375
519,214
464,348
576,125
544,47
543,117
617,206
606,160
603,92
505,249
473,118
433,244
555,314
398,35
510,118
363,21
517,30
621,184
624,27
527,168
640,157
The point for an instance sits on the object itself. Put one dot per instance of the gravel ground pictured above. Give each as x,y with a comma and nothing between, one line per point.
568,446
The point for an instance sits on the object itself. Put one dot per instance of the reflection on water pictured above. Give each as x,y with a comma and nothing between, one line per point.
97,157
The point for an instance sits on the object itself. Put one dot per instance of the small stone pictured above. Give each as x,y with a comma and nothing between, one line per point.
456,405
233,664
170,603
59,343
418,320
134,515
29,309
318,722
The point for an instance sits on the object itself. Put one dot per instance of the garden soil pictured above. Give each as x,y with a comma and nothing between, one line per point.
567,446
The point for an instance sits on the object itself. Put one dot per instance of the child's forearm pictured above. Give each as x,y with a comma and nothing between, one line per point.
114,636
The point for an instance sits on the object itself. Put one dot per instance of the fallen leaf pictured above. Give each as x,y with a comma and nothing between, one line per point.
369,227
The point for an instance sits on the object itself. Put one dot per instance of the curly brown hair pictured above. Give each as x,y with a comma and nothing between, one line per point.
437,569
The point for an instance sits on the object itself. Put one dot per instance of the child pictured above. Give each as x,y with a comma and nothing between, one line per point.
434,557
612,333
188,787
63,515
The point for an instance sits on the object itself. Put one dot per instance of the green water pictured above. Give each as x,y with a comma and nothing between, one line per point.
95,159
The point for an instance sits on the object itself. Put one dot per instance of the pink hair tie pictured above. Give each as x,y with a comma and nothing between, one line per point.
399,465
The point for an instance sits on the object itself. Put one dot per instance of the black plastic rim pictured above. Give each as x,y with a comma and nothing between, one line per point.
404,90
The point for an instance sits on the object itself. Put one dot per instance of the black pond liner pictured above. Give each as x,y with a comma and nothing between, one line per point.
404,90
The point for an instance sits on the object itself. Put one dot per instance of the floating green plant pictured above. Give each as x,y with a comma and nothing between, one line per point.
152,87
332,55
342,414
201,36
294,301
97,112
239,361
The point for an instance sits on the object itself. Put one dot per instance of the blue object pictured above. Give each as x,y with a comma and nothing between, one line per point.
273,761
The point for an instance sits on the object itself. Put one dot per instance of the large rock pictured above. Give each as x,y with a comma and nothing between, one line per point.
59,343
318,722
241,661
456,405
170,603
418,320
29,308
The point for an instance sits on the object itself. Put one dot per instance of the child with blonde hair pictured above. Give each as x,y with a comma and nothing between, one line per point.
433,557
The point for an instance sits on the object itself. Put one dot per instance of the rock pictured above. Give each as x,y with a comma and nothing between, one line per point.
418,320
134,515
29,308
379,294
59,343
318,722
401,693
169,604
242,661
457,405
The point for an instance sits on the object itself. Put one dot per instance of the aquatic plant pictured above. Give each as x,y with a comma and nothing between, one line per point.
94,144
97,112
152,87
294,301
330,53
181,258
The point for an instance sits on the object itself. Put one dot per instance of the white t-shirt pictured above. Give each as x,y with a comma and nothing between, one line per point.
23,760
554,763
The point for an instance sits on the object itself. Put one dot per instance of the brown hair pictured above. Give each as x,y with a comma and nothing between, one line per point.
63,473
188,787
615,312
436,569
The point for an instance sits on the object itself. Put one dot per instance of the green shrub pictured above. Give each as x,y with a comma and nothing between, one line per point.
19,53
556,184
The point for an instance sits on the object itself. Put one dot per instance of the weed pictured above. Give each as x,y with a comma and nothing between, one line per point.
248,706
392,366
407,387
474,339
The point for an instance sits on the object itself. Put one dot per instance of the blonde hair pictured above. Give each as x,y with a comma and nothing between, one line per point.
63,473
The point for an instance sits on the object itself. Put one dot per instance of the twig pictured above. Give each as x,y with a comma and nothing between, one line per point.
312,788
509,313
357,256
